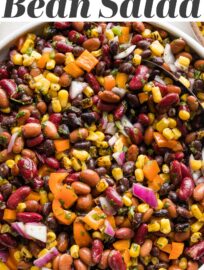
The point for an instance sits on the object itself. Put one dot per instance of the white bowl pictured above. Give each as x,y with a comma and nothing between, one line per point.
37,27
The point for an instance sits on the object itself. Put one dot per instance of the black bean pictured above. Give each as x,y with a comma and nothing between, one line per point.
124,181
101,171
4,170
63,130
47,208
162,265
51,223
73,121
71,109
150,267
183,212
126,68
8,122
89,117
146,54
91,164
58,70
83,145
47,147
114,46
143,44
133,101
6,190
157,60
161,213
172,112
198,85
77,51
137,220
121,189
159,160
173,196
181,227
155,252
128,168
100,68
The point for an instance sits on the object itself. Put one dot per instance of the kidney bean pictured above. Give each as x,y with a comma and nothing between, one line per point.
8,240
124,233
132,153
192,265
65,262
140,234
50,130
196,251
18,145
114,197
198,193
78,135
115,261
31,130
9,86
96,251
52,162
32,206
62,25
63,47
32,120
177,45
55,118
92,44
185,170
106,107
18,196
168,101
140,78
81,188
4,101
108,96
135,135
78,26
92,81
27,217
76,37
85,256
84,202
79,265
192,103
35,141
199,64
175,172
28,169
90,177
186,188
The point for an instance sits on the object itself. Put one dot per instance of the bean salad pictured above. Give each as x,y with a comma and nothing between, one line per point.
101,155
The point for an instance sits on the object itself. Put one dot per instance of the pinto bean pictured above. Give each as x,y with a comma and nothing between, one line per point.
90,177
146,248
85,255
31,130
124,233
92,44
198,193
103,264
81,188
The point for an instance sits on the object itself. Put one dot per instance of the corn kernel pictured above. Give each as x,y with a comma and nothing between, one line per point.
52,77
156,93
17,59
51,236
165,226
28,60
148,87
55,87
195,164
137,59
138,51
157,48
160,204
74,251
127,201
184,97
183,263
109,34
10,163
43,252
5,228
196,211
66,162
36,55
51,245
17,256
88,91
184,115
21,207
75,164
197,226
94,32
82,155
43,86
92,136
43,197
17,158
34,268
56,106
185,82
146,33
45,118
63,97
151,118
143,207
102,185
139,175
153,227
97,53
162,124
26,253
97,235
16,130
103,144
6,110
104,161
168,134
28,44
69,58
165,168
101,135
50,64
172,123
117,173
134,250
184,61
195,237
156,36
162,242
177,133
50,196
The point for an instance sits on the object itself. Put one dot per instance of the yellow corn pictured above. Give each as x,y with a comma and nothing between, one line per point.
137,59
102,185
104,161
156,36
21,207
153,227
165,226
51,245
117,173
17,256
162,242
92,136
10,163
75,164
97,235
184,115
138,51
50,196
43,86
69,58
157,48
45,118
160,204
94,32
43,196
109,34
183,263
5,228
168,134
151,117
184,61
16,129
127,201
43,252
51,236
26,253
197,226
146,33
156,93
36,55
172,123
101,135
34,268
52,77
63,97
27,60
177,133
3,266
88,91
162,124
185,82
165,168
82,155
195,237
184,97
195,164
148,87
6,110
97,53
28,44
55,87
50,64
139,175
143,207
141,160
196,211
56,106
17,158
134,250
74,251
200,95
17,59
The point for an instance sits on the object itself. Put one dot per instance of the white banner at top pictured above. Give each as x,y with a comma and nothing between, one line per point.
102,10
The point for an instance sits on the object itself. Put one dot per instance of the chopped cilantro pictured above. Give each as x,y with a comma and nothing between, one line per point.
68,215
117,31
98,217
20,114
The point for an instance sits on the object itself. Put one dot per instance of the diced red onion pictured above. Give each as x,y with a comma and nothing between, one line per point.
126,122
110,129
125,53
119,157
12,141
113,140
53,252
37,231
19,227
108,229
119,91
159,80
106,206
4,256
104,120
145,194
76,88
169,58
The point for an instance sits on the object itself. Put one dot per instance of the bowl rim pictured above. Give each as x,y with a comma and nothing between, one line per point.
10,39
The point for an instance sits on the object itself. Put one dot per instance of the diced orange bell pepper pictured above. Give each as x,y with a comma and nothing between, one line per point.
66,196
143,97
162,142
125,35
9,215
56,180
109,82
121,80
33,196
87,61
156,183
126,256
121,245
44,171
176,250
64,216
41,63
73,70
81,236
111,219
61,145
151,169
167,248
95,218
